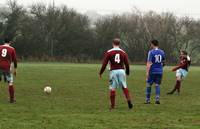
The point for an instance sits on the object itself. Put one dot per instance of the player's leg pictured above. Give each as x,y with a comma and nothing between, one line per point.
128,98
1,75
148,89
157,87
148,93
178,84
158,80
112,98
179,76
180,79
11,90
113,86
123,84
4,77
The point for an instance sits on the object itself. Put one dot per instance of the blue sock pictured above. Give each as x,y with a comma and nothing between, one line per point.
157,92
148,92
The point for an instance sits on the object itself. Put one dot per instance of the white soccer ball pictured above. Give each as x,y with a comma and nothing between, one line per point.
47,89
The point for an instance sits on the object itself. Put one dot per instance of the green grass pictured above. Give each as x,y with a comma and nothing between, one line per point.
79,100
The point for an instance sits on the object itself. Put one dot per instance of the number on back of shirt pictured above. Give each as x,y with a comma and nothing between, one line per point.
158,58
117,58
4,52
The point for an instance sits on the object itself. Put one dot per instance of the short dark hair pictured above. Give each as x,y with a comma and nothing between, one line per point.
7,40
155,42
116,41
184,52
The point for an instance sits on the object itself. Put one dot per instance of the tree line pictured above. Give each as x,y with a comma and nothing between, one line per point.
50,33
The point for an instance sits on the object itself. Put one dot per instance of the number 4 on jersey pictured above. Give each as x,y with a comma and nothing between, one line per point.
117,58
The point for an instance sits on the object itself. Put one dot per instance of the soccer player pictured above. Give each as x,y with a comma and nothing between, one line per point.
181,70
117,59
154,72
7,56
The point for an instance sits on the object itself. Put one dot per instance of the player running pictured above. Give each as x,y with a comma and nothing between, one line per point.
181,70
155,63
7,56
117,59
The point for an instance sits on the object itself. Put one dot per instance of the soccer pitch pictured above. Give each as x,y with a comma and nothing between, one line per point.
79,100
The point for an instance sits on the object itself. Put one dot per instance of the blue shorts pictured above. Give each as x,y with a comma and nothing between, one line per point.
155,78
117,79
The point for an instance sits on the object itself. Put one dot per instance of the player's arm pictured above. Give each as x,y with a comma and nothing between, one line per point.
163,60
148,65
127,64
182,65
148,68
189,60
14,60
104,64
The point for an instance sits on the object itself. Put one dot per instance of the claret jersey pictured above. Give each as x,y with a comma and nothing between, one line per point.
117,59
185,62
7,56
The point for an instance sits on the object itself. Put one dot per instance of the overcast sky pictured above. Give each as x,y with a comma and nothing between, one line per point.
180,7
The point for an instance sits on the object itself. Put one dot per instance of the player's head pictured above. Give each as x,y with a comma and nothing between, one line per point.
183,52
7,41
154,43
116,42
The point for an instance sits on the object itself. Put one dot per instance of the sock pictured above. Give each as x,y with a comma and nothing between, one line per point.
11,92
112,98
126,93
178,85
173,90
157,92
148,92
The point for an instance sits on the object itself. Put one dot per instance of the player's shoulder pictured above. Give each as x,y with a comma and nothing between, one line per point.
116,49
7,46
161,50
151,51
158,50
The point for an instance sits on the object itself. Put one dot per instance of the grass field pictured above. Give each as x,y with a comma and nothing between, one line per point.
79,100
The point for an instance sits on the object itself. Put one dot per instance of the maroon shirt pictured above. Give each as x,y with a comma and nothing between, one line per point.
185,62
117,58
7,56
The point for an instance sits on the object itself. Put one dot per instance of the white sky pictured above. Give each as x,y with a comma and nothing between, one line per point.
180,7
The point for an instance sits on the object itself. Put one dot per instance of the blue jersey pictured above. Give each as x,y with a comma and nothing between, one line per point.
156,57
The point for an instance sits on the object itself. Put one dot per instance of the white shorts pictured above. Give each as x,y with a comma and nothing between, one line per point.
117,79
182,73
8,76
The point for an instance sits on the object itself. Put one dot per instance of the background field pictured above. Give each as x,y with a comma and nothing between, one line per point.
80,100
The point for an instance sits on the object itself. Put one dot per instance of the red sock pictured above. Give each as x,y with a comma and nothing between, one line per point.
112,98
11,92
178,85
126,93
